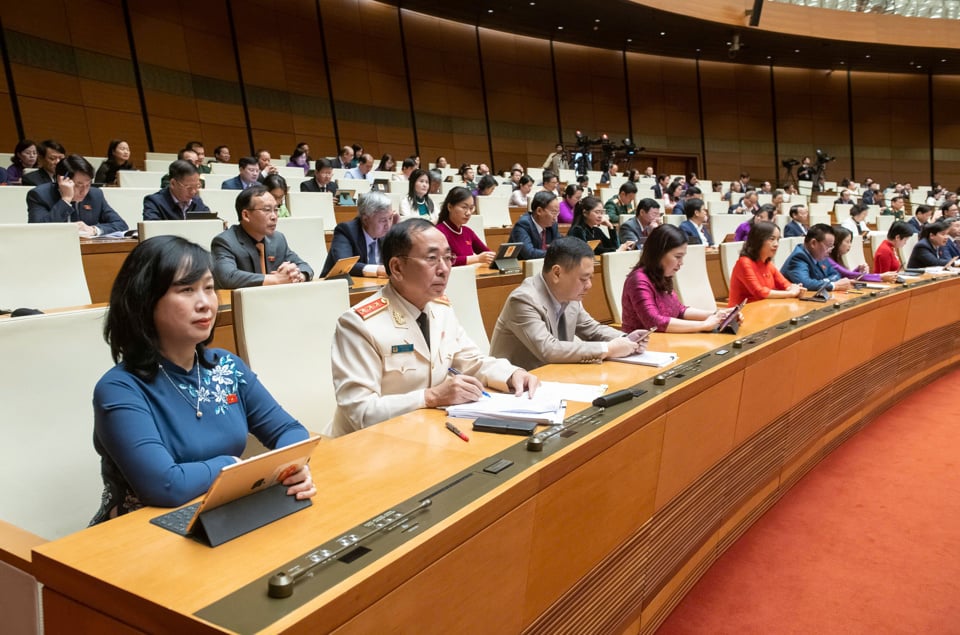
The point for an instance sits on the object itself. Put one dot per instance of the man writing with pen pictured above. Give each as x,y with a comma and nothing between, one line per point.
393,353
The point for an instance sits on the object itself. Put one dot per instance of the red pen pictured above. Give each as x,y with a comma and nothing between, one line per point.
452,428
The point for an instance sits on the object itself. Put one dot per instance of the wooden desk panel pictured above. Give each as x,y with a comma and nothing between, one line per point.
709,487
102,260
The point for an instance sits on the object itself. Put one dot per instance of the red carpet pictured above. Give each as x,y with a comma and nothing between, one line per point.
867,542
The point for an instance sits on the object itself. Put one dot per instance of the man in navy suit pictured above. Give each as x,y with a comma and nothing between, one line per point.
538,228
179,199
249,175
695,227
809,264
797,225
322,178
71,199
362,237
921,216
237,251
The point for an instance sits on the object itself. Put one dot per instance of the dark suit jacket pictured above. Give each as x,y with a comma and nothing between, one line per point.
44,205
914,225
801,268
337,163
657,190
632,230
311,186
40,177
161,206
236,260
794,228
232,184
527,232
926,255
348,241
690,229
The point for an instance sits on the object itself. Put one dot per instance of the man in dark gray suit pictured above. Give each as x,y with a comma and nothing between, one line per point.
51,153
72,200
178,200
253,253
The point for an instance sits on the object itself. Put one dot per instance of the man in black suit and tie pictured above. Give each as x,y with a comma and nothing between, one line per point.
344,159
51,153
322,178
921,216
362,237
253,253
248,177
179,199
538,228
695,227
797,225
71,199
639,227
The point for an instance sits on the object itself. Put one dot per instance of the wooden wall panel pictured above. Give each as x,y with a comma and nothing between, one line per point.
369,82
8,127
520,97
891,127
812,113
946,125
593,96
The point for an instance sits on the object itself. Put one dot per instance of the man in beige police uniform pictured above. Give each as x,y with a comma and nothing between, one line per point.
544,322
391,353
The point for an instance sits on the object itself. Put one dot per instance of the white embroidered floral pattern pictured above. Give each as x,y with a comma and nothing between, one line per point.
218,384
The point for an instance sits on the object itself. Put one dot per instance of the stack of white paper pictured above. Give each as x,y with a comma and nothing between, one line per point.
542,409
648,358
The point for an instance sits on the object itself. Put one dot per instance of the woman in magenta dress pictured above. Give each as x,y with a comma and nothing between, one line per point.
452,223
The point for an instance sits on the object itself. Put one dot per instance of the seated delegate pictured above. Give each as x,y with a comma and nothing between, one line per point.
417,203
762,213
154,449
538,228
544,322
179,198
72,200
809,264
392,352
754,277
648,298
588,217
929,250
841,246
466,246
362,237
885,258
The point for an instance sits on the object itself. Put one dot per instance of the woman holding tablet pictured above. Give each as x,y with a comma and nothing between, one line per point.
172,412
648,297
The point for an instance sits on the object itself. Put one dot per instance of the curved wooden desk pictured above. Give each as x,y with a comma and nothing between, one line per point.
604,536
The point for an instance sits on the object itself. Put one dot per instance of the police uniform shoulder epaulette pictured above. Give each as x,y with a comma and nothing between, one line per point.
372,307
443,300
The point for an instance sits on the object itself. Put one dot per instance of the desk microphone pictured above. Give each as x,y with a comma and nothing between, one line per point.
608,401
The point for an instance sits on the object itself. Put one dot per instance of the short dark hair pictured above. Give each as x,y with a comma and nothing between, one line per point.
274,181
933,228
74,163
194,144
246,161
766,208
571,189
568,252
219,149
795,209
180,168
647,204
542,199
455,196
322,164
526,178
899,229
50,144
944,206
548,176
922,209
145,276
409,162
661,240
628,188
245,198
759,233
398,240
183,151
818,232
691,207
692,190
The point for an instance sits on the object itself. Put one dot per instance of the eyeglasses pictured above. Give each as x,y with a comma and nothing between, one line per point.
433,260
266,210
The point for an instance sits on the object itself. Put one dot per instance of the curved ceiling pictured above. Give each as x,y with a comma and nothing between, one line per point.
623,24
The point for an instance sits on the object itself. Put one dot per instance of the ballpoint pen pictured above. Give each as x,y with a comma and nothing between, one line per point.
454,371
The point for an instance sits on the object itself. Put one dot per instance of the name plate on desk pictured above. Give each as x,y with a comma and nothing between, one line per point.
506,258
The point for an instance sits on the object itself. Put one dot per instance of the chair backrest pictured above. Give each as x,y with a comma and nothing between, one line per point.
13,205
169,157
907,248
292,172
616,267
535,173
876,239
60,282
842,210
462,291
292,358
313,205
476,224
305,237
223,202
360,186
128,201
854,258
157,165
46,420
135,178
729,253
532,267
813,219
785,249
673,219
227,169
722,225
494,210
884,223
201,232
692,283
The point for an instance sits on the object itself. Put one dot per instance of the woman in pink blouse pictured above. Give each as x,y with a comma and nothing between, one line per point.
648,297
452,223
571,196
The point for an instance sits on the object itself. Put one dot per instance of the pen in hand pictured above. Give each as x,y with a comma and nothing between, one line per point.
454,371
454,429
